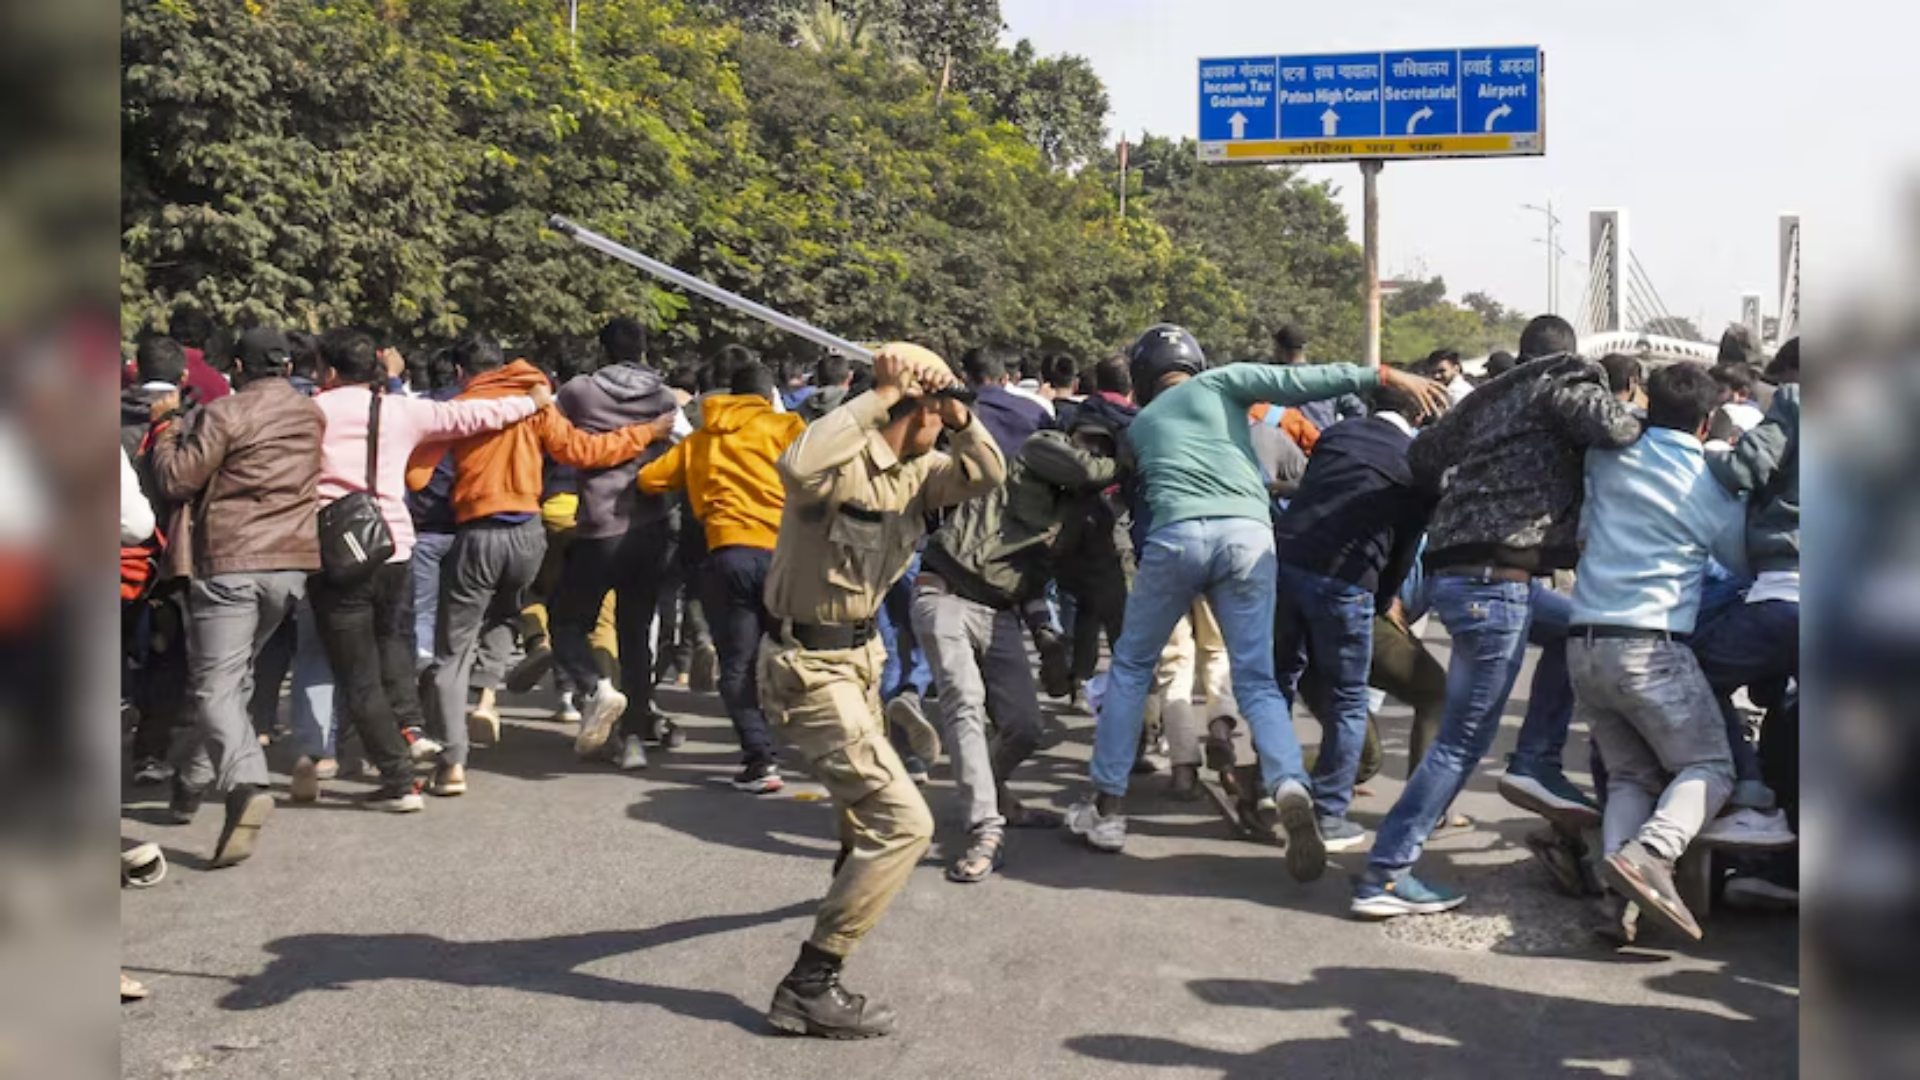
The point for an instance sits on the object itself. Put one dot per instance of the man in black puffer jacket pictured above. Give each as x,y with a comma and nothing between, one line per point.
983,575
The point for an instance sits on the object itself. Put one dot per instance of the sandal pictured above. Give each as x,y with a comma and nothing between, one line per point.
985,854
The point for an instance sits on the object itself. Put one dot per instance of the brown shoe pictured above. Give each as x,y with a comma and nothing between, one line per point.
1647,879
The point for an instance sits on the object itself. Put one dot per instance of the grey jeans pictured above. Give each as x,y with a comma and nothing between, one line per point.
978,656
1669,768
483,585
229,618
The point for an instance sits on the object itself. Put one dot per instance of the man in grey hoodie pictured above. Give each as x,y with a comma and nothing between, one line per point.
623,541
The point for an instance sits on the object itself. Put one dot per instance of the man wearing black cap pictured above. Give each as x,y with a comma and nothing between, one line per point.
246,470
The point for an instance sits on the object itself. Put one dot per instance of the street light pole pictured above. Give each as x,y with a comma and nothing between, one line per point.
573,23
1553,254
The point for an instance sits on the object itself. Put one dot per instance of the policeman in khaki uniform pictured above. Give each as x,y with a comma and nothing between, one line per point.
860,483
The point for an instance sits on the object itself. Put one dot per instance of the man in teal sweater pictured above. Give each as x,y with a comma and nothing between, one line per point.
1211,535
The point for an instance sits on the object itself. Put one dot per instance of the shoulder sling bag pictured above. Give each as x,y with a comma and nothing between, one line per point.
354,538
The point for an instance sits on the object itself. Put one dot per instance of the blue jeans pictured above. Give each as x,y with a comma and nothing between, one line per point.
429,550
1488,623
1230,561
1748,645
906,666
1543,733
1333,621
316,710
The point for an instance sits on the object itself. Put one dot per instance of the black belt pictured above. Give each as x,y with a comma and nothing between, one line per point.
1627,633
831,638
1485,572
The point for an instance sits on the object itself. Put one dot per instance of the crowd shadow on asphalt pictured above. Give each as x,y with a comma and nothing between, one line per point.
1435,1026
314,962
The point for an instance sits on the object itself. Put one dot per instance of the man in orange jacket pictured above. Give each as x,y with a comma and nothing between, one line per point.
728,469
500,540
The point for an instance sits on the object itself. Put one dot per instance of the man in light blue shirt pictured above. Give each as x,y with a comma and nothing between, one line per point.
1653,515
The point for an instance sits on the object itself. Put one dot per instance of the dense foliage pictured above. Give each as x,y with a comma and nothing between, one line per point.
880,167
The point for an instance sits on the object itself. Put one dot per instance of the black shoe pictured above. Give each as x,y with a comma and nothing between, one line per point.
1563,858
1184,784
248,808
760,778
528,672
1616,920
1219,744
1056,662
185,802
824,1009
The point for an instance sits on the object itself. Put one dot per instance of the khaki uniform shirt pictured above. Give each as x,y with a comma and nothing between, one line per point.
855,512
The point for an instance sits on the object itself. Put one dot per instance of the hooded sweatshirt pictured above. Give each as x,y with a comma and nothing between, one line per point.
728,469
617,396
500,473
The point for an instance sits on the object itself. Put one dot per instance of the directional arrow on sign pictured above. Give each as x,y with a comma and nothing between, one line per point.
1238,122
1330,121
1414,121
1494,116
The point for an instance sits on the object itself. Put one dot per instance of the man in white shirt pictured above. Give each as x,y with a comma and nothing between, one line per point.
1447,372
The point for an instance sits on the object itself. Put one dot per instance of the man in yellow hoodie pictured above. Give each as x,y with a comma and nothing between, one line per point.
728,469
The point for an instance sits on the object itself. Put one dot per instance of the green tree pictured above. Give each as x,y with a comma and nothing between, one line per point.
1414,296
1280,240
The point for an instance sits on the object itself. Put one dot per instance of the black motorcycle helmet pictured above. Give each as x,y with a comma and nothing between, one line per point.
1162,350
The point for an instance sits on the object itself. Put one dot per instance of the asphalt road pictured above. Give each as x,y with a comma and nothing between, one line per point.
567,921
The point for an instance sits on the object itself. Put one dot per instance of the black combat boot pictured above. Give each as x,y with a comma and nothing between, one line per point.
811,1001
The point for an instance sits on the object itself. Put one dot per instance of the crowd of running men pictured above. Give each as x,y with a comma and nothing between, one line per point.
858,558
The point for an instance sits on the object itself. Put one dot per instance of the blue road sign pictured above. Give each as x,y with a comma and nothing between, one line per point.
1326,97
1419,103
1237,100
1500,90
1422,91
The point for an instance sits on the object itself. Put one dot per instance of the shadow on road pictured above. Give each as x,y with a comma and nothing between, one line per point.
1434,1026
535,965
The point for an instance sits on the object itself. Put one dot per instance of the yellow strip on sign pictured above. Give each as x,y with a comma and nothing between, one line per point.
1404,147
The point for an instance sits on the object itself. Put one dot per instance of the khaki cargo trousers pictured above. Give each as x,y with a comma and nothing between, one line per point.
825,704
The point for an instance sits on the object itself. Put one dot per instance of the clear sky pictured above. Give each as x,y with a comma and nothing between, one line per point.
1704,119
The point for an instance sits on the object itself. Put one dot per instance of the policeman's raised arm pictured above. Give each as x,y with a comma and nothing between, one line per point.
815,458
974,466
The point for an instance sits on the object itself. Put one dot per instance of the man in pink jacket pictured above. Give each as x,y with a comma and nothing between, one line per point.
367,627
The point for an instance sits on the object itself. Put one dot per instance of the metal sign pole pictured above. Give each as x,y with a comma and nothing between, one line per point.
588,238
1370,234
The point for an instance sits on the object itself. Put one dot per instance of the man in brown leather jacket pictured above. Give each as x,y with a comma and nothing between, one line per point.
246,468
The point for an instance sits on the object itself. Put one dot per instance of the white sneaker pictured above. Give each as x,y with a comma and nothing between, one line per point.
1750,828
1103,833
568,712
632,755
601,710
424,749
